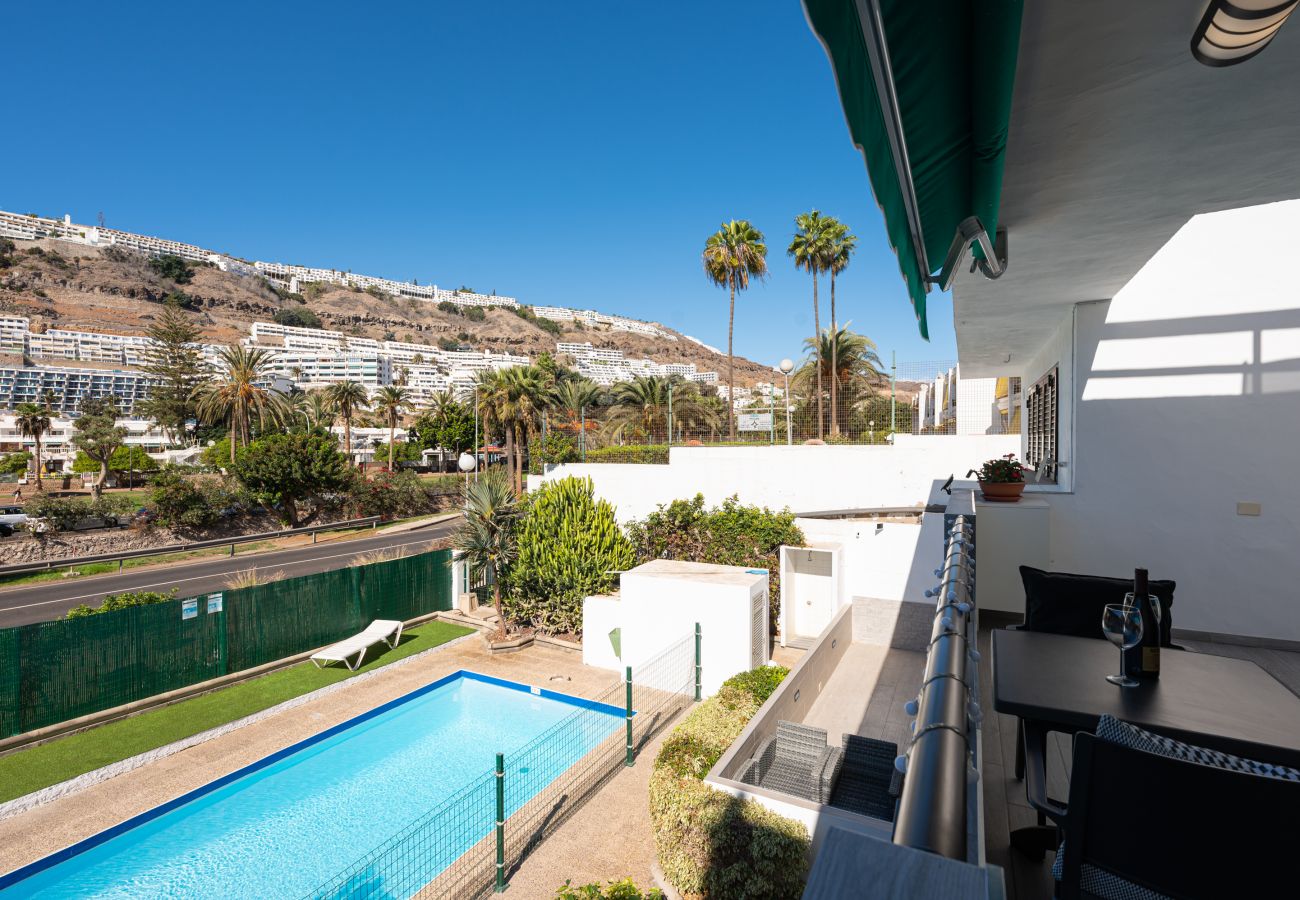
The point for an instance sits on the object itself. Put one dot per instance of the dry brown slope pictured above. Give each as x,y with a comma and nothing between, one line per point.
76,287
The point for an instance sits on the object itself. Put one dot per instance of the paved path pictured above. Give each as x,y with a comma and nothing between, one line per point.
23,604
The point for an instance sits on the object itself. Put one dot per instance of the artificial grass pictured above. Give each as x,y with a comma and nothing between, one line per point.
67,757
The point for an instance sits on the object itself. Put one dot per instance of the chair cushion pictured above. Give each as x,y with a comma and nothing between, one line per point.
1126,735
1100,883
1062,603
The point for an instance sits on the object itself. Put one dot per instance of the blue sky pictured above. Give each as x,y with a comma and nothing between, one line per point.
573,154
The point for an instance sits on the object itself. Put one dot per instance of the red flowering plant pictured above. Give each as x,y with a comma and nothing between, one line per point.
1005,470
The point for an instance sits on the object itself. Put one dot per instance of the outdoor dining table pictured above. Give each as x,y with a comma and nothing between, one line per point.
1058,683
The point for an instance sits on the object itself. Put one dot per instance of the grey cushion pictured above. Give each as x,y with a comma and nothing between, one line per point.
1126,735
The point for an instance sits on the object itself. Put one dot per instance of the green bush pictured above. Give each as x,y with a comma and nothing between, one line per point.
642,454
569,546
475,313
296,317
173,267
761,683
15,463
398,494
732,534
180,499
114,602
63,513
711,844
557,448
615,890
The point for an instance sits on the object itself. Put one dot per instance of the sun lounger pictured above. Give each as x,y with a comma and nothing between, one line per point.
386,630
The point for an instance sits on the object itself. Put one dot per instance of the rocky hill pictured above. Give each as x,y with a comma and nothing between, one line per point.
64,285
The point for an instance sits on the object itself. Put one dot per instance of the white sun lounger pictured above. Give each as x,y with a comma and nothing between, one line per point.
386,630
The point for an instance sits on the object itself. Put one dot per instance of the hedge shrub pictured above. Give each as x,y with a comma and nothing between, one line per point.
615,890
732,534
711,844
643,454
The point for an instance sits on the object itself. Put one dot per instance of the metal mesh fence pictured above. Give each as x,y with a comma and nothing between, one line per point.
456,850
866,407
54,671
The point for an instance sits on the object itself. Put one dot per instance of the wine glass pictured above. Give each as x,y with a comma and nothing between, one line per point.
1122,625
1152,600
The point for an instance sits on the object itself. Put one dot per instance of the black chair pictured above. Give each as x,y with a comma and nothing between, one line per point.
1065,603
1183,829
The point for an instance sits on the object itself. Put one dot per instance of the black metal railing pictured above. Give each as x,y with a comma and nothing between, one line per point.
932,810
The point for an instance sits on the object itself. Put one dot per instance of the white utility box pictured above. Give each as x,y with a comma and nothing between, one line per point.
659,604
812,588
1008,536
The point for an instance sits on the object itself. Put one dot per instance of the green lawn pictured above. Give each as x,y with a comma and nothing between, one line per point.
30,770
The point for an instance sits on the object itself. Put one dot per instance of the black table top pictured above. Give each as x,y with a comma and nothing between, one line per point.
1215,701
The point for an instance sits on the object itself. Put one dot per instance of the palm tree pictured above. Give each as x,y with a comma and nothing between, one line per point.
529,388
731,255
571,396
33,421
497,409
391,400
236,398
843,244
857,365
486,539
318,411
348,398
810,248
641,405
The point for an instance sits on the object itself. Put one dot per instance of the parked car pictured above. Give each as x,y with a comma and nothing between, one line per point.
11,519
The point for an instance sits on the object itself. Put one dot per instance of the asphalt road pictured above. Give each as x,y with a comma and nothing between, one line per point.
24,604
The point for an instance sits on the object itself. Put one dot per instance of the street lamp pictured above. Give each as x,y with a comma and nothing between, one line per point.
787,366
467,463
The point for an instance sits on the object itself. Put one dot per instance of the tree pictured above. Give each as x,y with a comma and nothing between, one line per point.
811,250
235,396
858,367
15,463
843,244
98,436
174,363
296,317
317,411
486,538
733,254
173,267
391,400
641,405
285,470
348,398
33,421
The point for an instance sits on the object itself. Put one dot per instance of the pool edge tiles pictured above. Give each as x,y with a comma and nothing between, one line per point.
23,873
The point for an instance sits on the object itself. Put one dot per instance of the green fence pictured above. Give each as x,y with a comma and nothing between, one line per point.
54,671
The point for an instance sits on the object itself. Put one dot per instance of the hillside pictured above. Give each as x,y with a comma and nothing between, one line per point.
72,286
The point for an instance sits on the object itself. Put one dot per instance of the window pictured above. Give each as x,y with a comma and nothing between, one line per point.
1041,404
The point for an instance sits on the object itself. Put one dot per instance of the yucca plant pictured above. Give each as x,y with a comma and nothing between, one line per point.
251,578
570,546
486,539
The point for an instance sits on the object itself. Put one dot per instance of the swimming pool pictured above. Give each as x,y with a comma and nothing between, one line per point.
286,824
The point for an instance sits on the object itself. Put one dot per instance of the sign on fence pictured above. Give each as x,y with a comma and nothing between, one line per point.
190,608
214,603
754,421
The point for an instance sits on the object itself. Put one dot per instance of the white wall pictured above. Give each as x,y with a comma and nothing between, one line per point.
803,478
894,562
1186,401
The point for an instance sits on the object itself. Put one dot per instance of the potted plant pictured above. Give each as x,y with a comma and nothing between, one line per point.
1001,480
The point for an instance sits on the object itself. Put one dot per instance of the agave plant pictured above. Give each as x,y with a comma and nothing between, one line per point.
486,539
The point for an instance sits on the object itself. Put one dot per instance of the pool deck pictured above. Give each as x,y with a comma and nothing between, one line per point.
28,836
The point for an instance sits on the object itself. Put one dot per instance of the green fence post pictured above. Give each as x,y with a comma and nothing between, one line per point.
501,823
629,761
697,661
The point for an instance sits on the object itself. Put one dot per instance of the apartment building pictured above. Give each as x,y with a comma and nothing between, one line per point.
593,319
89,346
294,278
13,334
704,377
307,368
67,386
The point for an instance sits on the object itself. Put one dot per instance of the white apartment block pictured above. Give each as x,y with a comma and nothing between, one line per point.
295,277
594,319
704,377
686,370
69,386
307,368
587,352
13,334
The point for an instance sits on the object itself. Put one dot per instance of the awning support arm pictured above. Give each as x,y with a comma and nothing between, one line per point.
971,231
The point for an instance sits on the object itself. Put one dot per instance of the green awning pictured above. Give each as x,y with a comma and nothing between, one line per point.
926,88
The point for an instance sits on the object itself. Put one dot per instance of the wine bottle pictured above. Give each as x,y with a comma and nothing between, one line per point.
1150,645
1133,655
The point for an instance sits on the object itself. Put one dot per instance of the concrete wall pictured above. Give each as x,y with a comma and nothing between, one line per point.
803,478
1185,401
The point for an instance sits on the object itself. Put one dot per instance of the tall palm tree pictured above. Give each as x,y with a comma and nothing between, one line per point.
571,396
235,397
348,398
496,406
486,538
843,244
733,254
318,411
529,388
810,249
390,401
33,421
857,369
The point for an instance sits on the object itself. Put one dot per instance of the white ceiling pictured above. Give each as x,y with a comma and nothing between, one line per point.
1118,137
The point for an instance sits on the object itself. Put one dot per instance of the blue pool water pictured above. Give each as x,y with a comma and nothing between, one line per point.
288,824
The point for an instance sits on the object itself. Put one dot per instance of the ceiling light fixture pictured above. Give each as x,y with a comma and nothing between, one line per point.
1233,32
